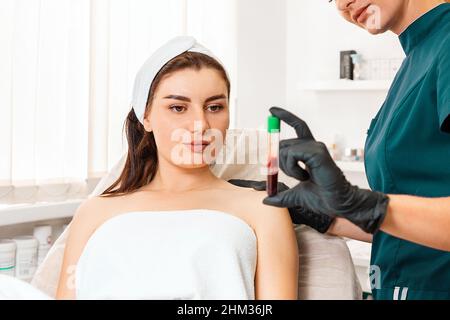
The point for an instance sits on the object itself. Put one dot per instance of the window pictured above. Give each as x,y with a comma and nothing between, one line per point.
67,69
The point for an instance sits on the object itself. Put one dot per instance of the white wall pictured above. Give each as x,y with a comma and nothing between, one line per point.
315,35
261,60
282,43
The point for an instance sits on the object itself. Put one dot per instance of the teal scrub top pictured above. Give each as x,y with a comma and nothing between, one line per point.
408,152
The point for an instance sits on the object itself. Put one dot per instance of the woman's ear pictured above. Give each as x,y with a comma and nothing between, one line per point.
147,125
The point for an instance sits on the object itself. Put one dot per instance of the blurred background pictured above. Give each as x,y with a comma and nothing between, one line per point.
68,66
67,69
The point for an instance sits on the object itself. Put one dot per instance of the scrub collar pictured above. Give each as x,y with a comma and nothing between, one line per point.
422,27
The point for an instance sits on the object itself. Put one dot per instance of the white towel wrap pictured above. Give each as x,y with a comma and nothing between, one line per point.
186,254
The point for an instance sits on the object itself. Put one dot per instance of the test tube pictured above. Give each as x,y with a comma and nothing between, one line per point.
273,134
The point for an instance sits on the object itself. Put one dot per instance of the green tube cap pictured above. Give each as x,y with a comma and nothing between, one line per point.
273,124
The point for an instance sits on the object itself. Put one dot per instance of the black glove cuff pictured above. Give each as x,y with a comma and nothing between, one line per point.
317,221
325,224
378,213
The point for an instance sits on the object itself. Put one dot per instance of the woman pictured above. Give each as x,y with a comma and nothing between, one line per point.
407,159
408,145
170,229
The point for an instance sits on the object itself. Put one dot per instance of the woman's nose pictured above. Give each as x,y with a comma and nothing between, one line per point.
199,121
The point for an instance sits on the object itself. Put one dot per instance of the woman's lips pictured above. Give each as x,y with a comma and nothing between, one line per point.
197,146
360,13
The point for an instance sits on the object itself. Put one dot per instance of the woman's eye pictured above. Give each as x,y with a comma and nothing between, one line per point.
177,109
215,108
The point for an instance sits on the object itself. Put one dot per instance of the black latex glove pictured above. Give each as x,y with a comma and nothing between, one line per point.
324,188
320,222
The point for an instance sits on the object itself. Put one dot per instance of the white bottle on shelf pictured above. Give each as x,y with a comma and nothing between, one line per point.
43,234
334,151
26,257
357,67
7,257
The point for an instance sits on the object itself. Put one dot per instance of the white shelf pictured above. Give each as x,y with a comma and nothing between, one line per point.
37,212
346,85
351,166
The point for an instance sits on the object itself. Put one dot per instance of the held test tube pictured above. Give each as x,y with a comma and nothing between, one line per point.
273,134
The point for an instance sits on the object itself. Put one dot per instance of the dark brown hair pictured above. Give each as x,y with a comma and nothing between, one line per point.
142,160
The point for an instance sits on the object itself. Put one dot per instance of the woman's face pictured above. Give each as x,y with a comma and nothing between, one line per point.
375,16
189,116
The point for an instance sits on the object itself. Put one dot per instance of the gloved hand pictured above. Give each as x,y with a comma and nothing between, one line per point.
320,222
323,188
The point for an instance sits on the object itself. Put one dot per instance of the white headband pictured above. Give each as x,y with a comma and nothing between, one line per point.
151,67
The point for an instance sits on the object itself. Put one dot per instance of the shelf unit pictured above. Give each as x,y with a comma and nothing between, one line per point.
351,166
27,213
346,85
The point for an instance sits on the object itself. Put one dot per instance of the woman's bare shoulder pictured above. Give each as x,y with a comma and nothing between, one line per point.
94,210
256,198
93,203
249,202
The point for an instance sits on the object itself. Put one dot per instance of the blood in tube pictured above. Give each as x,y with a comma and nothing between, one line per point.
272,179
273,154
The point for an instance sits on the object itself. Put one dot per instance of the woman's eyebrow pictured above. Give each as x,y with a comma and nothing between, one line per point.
182,98
176,97
216,97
